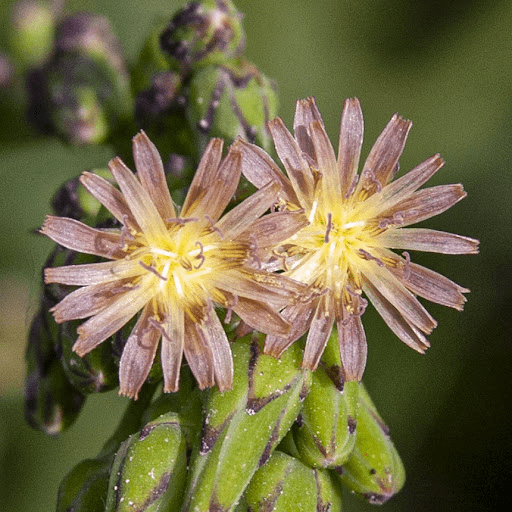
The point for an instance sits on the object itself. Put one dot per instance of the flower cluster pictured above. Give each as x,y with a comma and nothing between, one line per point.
300,268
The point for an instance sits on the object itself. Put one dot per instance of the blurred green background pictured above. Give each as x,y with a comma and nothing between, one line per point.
447,66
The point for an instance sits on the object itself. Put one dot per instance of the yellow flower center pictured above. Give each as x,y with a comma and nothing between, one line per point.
185,262
331,249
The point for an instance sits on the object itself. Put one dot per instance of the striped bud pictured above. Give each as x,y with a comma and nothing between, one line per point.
284,483
374,471
230,100
326,433
242,427
84,488
148,473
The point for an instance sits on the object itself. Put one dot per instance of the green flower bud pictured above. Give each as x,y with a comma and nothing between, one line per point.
52,404
202,34
74,201
149,469
160,112
151,60
31,32
242,427
84,488
374,470
284,483
97,371
83,92
232,100
326,434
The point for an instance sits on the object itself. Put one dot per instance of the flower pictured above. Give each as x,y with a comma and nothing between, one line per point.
173,268
354,221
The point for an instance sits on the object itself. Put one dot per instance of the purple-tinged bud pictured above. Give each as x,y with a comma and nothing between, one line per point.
202,34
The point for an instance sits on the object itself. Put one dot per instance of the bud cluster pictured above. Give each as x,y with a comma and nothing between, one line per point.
254,400
191,78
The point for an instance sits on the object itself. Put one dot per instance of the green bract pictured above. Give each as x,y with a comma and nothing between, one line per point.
242,427
284,484
232,100
148,473
374,471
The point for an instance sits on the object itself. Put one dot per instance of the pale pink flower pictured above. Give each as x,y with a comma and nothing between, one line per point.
174,268
354,222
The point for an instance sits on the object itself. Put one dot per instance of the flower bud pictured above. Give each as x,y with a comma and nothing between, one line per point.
97,371
149,469
202,34
74,201
84,89
374,470
160,112
232,100
84,488
285,483
31,32
242,427
52,404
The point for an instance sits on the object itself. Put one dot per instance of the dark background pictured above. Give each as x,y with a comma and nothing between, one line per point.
445,65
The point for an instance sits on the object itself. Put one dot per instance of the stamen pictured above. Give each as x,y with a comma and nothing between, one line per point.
397,219
127,222
126,232
213,226
368,173
200,256
180,221
229,310
384,223
352,187
329,227
367,256
356,300
407,265
281,256
157,325
153,270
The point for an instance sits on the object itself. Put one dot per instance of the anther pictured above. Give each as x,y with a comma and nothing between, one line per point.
213,226
157,325
407,265
367,256
200,256
153,270
368,173
329,227
282,256
229,310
